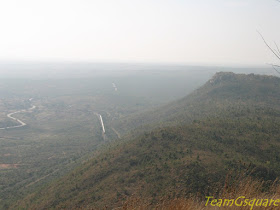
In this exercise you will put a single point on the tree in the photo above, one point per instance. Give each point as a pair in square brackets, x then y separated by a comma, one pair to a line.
[275, 51]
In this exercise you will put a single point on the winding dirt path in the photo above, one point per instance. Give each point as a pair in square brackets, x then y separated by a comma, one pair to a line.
[21, 123]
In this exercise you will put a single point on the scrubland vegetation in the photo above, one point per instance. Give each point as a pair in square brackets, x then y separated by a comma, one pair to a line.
[226, 128]
[243, 187]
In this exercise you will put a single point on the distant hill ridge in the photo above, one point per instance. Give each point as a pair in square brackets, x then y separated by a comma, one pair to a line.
[230, 76]
[222, 90]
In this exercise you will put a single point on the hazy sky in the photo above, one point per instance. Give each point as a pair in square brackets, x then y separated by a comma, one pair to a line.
[185, 31]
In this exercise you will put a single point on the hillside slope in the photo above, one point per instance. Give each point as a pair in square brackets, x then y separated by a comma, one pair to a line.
[225, 89]
[233, 125]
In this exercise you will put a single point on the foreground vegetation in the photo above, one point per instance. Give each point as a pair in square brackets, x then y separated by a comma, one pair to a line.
[242, 187]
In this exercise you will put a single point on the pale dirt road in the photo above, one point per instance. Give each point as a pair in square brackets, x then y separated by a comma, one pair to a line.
[21, 123]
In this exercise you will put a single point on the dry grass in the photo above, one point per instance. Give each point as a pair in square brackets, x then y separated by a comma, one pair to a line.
[233, 188]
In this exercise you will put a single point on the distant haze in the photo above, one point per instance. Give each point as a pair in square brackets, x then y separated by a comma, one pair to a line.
[53, 70]
[216, 32]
